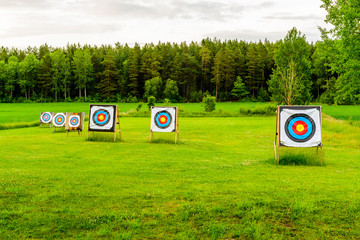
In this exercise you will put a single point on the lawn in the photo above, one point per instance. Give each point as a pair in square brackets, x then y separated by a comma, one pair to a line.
[219, 182]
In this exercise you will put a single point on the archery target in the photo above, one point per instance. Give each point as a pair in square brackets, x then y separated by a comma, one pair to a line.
[300, 126]
[102, 118]
[163, 119]
[59, 120]
[74, 121]
[45, 117]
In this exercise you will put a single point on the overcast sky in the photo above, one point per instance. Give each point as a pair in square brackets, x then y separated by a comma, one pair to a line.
[58, 22]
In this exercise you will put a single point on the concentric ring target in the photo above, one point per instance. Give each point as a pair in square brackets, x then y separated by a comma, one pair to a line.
[300, 127]
[74, 121]
[46, 117]
[163, 119]
[59, 119]
[101, 117]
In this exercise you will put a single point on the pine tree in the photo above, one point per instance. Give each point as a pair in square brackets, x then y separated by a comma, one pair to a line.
[109, 76]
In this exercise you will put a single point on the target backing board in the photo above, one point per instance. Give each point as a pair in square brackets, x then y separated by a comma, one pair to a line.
[46, 117]
[75, 121]
[102, 118]
[164, 119]
[299, 126]
[59, 120]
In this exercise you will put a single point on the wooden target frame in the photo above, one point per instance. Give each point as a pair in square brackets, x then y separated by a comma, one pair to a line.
[176, 130]
[116, 129]
[277, 141]
[80, 128]
[50, 122]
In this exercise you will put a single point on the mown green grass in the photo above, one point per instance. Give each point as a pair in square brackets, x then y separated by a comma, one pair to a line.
[30, 112]
[219, 182]
[343, 112]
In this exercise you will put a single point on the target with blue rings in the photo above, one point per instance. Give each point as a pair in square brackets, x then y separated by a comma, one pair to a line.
[101, 117]
[59, 120]
[163, 119]
[46, 117]
[300, 127]
[74, 121]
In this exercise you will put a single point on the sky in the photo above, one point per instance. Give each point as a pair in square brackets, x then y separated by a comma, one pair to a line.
[59, 22]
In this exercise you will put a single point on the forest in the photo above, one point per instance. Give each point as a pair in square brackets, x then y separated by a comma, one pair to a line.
[288, 71]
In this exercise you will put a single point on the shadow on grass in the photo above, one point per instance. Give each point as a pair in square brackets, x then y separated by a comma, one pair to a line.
[300, 157]
[103, 137]
[165, 141]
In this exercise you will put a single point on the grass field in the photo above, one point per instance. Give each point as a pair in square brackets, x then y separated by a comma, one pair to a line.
[219, 182]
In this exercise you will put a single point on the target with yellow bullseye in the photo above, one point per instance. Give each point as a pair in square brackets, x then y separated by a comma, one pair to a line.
[163, 119]
[300, 126]
[102, 118]
[59, 120]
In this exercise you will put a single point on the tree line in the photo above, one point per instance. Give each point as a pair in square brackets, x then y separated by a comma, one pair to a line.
[290, 71]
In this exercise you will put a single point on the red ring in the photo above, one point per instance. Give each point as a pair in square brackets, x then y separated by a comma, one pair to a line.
[300, 123]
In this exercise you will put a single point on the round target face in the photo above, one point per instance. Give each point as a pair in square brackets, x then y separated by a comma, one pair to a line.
[101, 117]
[46, 117]
[59, 119]
[300, 127]
[74, 121]
[163, 119]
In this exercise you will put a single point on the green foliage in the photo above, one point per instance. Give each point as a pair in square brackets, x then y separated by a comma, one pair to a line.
[153, 87]
[151, 101]
[239, 91]
[171, 90]
[209, 103]
[109, 76]
[344, 15]
[138, 107]
[290, 82]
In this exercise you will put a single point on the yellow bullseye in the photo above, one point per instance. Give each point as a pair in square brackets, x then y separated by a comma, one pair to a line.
[300, 128]
[162, 119]
[101, 117]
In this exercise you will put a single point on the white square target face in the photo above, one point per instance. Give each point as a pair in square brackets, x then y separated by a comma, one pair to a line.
[300, 126]
[102, 118]
[163, 119]
[59, 120]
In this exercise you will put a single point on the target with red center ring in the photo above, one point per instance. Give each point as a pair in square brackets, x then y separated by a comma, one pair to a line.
[46, 117]
[59, 120]
[300, 127]
[74, 121]
[102, 118]
[163, 119]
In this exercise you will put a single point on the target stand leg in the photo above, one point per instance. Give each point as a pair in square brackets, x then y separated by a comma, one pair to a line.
[151, 136]
[321, 156]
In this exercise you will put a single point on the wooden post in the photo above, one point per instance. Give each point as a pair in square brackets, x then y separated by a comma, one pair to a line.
[177, 125]
[321, 153]
[277, 136]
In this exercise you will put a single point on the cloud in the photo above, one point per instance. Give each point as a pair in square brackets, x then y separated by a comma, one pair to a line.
[285, 16]
[249, 35]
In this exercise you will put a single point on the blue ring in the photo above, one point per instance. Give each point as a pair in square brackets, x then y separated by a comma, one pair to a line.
[105, 121]
[167, 122]
[62, 120]
[46, 114]
[77, 120]
[307, 134]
